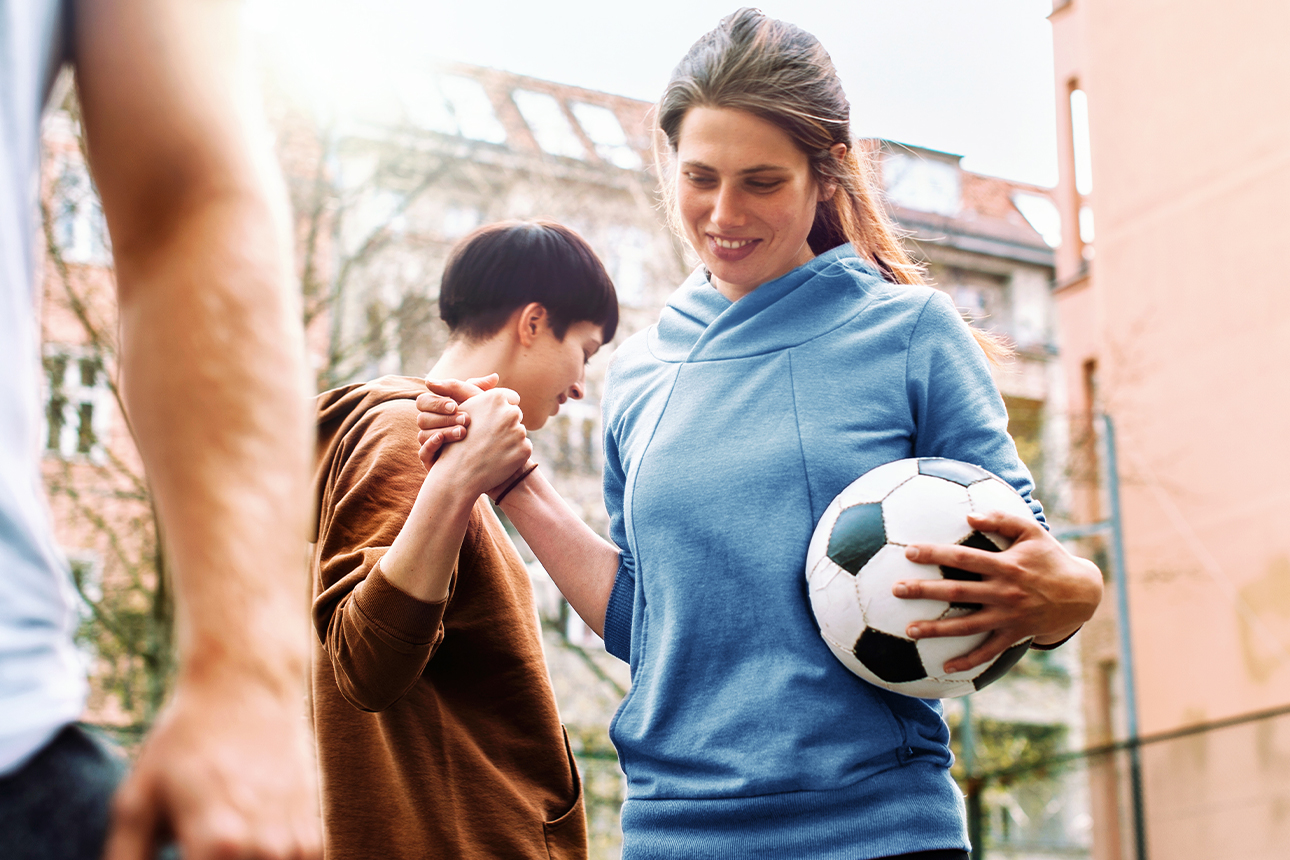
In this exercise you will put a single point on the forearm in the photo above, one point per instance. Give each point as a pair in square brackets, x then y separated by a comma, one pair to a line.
[214, 381]
[582, 563]
[212, 359]
[421, 559]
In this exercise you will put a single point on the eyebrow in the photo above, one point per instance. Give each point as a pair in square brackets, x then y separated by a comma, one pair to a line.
[760, 168]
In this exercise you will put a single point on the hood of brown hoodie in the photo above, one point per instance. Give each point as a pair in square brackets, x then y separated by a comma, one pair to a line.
[338, 410]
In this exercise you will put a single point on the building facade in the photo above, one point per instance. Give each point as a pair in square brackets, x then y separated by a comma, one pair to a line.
[1175, 323]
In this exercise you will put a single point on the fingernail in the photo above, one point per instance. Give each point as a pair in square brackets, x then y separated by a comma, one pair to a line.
[912, 553]
[900, 589]
[462, 418]
[914, 631]
[450, 406]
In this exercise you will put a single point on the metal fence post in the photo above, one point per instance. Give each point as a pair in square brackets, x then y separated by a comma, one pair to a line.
[1120, 575]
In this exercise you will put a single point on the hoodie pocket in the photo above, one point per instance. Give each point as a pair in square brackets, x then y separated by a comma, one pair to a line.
[566, 836]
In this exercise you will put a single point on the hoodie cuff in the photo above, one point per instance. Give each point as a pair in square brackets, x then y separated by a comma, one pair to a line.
[396, 612]
[618, 614]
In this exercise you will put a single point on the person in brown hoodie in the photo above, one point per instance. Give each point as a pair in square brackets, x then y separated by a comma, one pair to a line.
[437, 729]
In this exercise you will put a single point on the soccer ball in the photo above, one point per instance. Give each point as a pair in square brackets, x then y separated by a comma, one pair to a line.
[858, 553]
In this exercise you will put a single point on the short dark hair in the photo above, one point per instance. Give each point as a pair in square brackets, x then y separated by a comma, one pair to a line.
[503, 266]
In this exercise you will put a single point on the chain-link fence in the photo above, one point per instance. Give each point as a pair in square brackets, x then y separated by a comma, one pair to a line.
[1214, 790]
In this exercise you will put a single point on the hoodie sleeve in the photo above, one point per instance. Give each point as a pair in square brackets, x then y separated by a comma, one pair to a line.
[378, 638]
[622, 600]
[958, 410]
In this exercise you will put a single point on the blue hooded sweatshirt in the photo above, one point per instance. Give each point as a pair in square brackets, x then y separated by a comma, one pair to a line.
[729, 427]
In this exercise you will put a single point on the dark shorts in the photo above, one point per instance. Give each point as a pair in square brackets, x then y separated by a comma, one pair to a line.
[55, 807]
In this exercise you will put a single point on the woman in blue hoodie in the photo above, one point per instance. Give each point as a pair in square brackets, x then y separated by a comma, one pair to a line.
[804, 351]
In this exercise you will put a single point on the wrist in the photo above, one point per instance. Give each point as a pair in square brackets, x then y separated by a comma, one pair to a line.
[274, 663]
[1050, 643]
[516, 481]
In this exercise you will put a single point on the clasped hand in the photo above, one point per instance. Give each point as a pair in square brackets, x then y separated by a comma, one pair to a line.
[498, 446]
[443, 414]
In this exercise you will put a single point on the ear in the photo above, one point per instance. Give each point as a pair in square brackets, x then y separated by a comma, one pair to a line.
[530, 320]
[838, 151]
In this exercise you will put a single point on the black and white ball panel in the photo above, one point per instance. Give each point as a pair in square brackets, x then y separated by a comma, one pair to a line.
[876, 484]
[955, 471]
[995, 495]
[884, 610]
[906, 511]
[857, 536]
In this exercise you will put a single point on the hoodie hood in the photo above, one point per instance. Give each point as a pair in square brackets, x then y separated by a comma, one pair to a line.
[339, 410]
[700, 324]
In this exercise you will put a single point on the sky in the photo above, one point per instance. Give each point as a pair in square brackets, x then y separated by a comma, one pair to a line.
[972, 78]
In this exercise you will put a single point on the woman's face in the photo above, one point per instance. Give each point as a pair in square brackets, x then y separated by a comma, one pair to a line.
[746, 196]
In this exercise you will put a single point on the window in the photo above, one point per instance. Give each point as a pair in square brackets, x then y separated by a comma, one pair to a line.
[425, 104]
[601, 125]
[460, 220]
[626, 251]
[1026, 426]
[920, 183]
[1042, 214]
[76, 410]
[549, 124]
[450, 104]
[1082, 156]
[472, 109]
[982, 298]
[1086, 463]
[1086, 225]
[1083, 145]
[87, 574]
[571, 444]
[79, 228]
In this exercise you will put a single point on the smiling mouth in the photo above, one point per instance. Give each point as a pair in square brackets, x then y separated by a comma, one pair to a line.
[731, 250]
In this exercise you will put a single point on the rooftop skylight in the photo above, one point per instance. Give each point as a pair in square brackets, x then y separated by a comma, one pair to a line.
[602, 126]
[450, 104]
[549, 124]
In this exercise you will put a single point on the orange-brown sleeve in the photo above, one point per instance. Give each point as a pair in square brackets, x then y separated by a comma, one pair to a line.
[378, 638]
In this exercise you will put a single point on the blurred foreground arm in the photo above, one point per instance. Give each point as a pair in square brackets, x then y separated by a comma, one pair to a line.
[214, 381]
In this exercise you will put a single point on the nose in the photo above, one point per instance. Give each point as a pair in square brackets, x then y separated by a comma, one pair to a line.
[577, 391]
[726, 211]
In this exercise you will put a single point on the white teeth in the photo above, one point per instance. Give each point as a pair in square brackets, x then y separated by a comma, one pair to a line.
[731, 243]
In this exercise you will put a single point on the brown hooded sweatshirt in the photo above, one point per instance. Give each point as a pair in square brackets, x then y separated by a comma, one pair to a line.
[437, 728]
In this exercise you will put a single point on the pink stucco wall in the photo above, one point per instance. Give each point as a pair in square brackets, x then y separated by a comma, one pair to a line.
[1186, 311]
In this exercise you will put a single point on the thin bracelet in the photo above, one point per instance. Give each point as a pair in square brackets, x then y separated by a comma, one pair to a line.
[513, 484]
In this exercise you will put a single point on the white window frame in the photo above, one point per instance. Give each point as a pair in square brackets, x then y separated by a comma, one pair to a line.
[76, 397]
